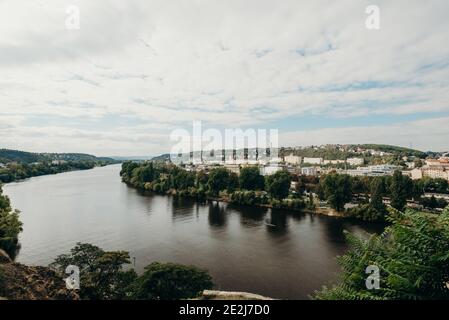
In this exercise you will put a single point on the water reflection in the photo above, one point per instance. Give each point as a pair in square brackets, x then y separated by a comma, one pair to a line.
[217, 214]
[277, 222]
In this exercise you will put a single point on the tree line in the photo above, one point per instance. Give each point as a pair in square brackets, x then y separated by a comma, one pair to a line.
[247, 188]
[18, 171]
[251, 188]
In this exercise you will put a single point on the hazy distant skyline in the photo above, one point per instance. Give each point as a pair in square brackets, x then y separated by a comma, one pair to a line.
[136, 70]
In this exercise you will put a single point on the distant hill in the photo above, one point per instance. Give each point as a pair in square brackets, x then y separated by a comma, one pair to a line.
[163, 157]
[395, 150]
[7, 155]
[131, 158]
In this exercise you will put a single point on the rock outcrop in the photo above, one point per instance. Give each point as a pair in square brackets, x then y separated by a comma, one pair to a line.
[230, 295]
[21, 282]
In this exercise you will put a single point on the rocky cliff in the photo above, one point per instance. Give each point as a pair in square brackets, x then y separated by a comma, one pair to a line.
[21, 282]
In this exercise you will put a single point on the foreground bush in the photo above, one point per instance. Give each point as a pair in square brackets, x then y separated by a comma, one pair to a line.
[412, 255]
[104, 277]
[169, 281]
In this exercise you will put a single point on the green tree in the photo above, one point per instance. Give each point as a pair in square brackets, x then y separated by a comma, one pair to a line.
[337, 190]
[251, 179]
[102, 275]
[278, 184]
[401, 186]
[412, 257]
[10, 226]
[377, 190]
[218, 180]
[169, 281]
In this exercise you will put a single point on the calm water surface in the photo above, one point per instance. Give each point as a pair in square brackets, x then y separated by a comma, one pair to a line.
[272, 253]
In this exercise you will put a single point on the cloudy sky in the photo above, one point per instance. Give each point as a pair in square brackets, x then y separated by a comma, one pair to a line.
[136, 70]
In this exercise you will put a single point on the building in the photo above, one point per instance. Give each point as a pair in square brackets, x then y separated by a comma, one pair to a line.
[416, 174]
[434, 172]
[310, 171]
[270, 168]
[291, 159]
[374, 171]
[355, 161]
[333, 161]
[318, 161]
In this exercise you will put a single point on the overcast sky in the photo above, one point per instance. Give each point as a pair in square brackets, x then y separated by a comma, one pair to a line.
[138, 69]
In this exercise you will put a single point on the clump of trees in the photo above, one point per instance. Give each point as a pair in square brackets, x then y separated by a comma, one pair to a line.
[412, 257]
[104, 277]
[10, 226]
[336, 189]
[249, 188]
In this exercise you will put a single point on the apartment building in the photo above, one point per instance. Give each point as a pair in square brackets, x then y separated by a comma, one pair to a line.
[318, 161]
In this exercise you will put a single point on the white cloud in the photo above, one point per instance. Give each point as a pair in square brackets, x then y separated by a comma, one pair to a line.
[227, 63]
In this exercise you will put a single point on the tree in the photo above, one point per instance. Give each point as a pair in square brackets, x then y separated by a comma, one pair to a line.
[377, 190]
[183, 180]
[10, 226]
[412, 257]
[401, 186]
[218, 180]
[278, 184]
[102, 275]
[233, 182]
[169, 281]
[251, 179]
[337, 190]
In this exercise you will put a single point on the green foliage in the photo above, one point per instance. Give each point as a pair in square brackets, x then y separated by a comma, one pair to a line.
[337, 190]
[412, 255]
[102, 275]
[218, 180]
[169, 281]
[251, 179]
[278, 184]
[249, 197]
[400, 189]
[10, 226]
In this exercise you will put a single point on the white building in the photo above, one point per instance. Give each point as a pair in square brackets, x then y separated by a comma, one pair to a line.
[372, 171]
[416, 174]
[291, 159]
[355, 161]
[433, 172]
[333, 161]
[270, 168]
[310, 171]
[313, 160]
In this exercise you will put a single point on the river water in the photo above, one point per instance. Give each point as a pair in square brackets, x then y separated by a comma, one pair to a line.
[268, 252]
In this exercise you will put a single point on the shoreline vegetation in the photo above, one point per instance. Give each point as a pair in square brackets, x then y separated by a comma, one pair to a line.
[336, 195]
[20, 165]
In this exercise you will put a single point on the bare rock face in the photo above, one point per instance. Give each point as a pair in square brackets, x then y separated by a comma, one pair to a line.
[21, 282]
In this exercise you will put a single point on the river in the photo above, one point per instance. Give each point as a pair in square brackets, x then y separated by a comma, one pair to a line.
[273, 253]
